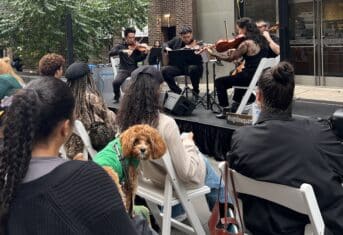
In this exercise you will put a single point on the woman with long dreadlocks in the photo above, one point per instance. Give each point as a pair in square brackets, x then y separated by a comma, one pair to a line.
[41, 193]
[90, 108]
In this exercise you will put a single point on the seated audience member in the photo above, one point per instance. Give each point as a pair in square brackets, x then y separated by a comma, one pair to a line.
[90, 108]
[140, 105]
[51, 65]
[6, 68]
[3, 109]
[290, 151]
[41, 193]
[11, 77]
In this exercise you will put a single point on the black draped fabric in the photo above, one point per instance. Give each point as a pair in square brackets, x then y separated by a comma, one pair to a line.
[211, 140]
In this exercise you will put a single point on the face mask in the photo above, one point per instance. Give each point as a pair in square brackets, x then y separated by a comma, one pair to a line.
[256, 110]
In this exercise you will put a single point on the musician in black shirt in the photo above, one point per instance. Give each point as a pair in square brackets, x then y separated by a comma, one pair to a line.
[273, 40]
[129, 57]
[194, 70]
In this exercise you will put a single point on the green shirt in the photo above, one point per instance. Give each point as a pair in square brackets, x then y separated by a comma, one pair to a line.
[8, 85]
[109, 156]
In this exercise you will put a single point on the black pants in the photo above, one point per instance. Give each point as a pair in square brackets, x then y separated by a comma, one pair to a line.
[226, 82]
[193, 71]
[122, 75]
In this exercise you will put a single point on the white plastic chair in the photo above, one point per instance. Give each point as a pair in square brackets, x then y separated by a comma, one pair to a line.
[301, 200]
[80, 130]
[264, 63]
[174, 193]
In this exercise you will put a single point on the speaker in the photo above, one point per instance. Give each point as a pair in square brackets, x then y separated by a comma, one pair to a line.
[178, 104]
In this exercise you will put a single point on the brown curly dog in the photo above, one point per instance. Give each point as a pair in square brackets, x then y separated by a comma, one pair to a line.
[143, 143]
[121, 157]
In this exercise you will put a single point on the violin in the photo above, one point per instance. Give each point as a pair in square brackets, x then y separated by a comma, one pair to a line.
[223, 45]
[274, 28]
[142, 47]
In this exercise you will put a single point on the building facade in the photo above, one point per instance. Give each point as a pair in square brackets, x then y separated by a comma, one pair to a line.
[315, 30]
[166, 17]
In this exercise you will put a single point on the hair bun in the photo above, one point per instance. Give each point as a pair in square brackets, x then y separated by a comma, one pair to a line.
[283, 72]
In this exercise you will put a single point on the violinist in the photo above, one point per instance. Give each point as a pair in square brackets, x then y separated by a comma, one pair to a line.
[252, 49]
[273, 40]
[130, 53]
[194, 70]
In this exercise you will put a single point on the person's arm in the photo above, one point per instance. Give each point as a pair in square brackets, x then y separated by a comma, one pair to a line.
[115, 51]
[233, 54]
[170, 45]
[184, 156]
[272, 44]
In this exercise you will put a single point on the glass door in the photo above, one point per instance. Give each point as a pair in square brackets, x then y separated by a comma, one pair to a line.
[303, 40]
[331, 42]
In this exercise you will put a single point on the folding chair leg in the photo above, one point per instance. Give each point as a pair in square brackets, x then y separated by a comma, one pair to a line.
[156, 212]
[167, 209]
[193, 218]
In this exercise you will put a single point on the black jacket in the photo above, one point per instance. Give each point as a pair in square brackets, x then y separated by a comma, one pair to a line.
[175, 43]
[76, 198]
[127, 62]
[290, 151]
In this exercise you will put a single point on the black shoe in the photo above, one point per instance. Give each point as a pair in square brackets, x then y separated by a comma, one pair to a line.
[116, 99]
[223, 114]
[196, 92]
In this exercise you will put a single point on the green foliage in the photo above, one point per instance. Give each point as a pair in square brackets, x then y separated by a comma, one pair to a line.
[35, 27]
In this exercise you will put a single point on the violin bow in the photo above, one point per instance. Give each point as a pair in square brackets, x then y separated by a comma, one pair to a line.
[226, 32]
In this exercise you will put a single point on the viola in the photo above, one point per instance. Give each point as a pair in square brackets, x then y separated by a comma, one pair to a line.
[223, 45]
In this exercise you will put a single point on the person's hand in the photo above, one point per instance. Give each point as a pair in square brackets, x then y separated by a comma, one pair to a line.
[266, 35]
[190, 136]
[230, 52]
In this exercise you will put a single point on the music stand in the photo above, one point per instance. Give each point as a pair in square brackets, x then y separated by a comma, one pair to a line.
[157, 52]
[182, 58]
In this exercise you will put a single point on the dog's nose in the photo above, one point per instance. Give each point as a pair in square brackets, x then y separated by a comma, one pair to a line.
[143, 150]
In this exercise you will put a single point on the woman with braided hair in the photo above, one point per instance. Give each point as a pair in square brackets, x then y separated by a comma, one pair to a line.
[90, 108]
[40, 193]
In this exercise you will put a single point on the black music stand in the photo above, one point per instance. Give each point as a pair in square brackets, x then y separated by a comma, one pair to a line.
[182, 58]
[157, 52]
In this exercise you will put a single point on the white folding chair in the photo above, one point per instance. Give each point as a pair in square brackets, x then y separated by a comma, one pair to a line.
[115, 63]
[174, 193]
[80, 130]
[301, 200]
[264, 63]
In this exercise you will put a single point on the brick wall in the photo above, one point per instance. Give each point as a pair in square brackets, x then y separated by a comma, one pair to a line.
[182, 12]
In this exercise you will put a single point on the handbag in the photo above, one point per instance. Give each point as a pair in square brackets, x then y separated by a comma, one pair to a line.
[217, 225]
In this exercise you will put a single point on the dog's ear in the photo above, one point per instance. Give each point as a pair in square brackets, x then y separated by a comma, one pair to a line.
[158, 145]
[127, 140]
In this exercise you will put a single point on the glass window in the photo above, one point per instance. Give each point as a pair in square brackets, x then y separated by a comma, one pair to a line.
[261, 10]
